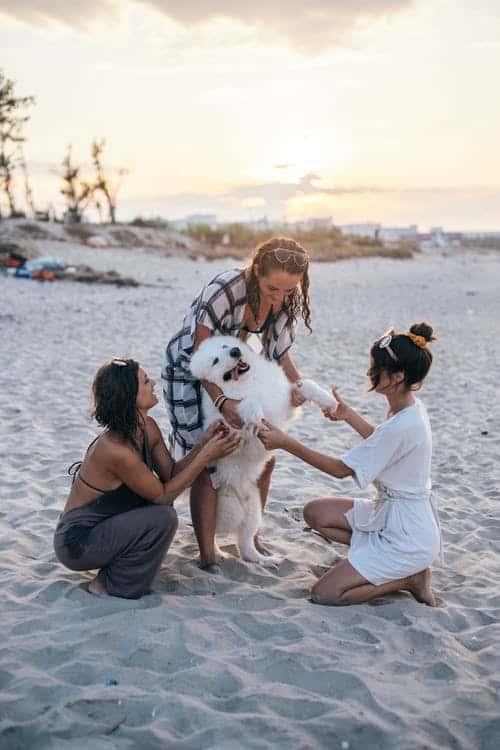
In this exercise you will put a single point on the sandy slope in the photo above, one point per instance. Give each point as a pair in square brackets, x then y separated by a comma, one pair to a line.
[242, 659]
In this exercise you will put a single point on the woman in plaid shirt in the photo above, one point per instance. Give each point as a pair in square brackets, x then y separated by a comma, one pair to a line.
[265, 298]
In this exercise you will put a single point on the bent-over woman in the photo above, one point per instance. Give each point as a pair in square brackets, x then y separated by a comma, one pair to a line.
[266, 298]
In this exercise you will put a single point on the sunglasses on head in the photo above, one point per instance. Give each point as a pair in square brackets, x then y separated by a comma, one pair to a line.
[283, 255]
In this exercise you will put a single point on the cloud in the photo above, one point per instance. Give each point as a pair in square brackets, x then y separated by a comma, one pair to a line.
[78, 15]
[308, 198]
[245, 201]
[309, 26]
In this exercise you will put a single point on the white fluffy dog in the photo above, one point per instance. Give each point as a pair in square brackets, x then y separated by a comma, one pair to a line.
[264, 392]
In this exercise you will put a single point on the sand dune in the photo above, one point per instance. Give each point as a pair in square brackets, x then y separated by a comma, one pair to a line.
[242, 659]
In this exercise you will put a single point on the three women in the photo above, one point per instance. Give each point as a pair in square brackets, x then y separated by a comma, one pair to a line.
[119, 514]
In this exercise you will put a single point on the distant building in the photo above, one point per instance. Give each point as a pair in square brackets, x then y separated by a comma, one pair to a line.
[481, 235]
[320, 222]
[360, 230]
[438, 238]
[397, 234]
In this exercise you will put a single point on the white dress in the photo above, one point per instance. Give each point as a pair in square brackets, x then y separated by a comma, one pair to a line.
[397, 533]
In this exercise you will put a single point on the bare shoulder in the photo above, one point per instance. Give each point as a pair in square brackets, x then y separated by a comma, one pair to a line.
[152, 430]
[113, 451]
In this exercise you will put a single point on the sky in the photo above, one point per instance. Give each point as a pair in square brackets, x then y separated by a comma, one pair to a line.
[369, 111]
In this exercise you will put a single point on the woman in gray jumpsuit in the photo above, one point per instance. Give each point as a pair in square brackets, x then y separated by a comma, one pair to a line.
[119, 516]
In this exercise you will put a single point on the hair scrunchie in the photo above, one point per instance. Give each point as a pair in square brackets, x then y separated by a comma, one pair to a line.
[419, 341]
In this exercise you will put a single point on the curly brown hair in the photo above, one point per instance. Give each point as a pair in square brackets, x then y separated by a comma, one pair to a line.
[295, 262]
[412, 360]
[114, 389]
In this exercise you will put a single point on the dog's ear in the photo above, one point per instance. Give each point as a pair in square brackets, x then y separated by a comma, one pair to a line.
[199, 365]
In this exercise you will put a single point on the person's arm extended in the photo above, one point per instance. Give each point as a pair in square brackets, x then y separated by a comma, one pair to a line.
[133, 472]
[288, 366]
[273, 438]
[163, 464]
[183, 463]
[328, 464]
[345, 413]
[293, 375]
[358, 423]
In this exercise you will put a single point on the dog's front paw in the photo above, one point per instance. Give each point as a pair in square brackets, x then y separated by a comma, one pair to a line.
[256, 557]
[250, 411]
[314, 392]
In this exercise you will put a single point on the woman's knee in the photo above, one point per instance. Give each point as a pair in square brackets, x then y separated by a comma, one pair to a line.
[311, 513]
[172, 519]
[332, 596]
[163, 518]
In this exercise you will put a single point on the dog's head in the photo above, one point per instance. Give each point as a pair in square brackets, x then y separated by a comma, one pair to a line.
[221, 359]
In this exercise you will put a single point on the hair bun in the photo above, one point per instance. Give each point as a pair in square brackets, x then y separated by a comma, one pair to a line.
[423, 329]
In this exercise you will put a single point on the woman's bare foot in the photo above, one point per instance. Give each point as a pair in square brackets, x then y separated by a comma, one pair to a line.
[95, 587]
[420, 586]
[209, 566]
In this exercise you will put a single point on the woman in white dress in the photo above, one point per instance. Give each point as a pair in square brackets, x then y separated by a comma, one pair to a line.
[394, 538]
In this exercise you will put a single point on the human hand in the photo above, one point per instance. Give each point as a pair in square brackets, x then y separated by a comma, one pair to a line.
[230, 413]
[220, 445]
[297, 398]
[271, 437]
[215, 428]
[341, 411]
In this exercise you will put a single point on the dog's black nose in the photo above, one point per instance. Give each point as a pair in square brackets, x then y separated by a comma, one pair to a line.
[235, 352]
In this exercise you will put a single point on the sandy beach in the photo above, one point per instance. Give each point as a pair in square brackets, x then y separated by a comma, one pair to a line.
[242, 659]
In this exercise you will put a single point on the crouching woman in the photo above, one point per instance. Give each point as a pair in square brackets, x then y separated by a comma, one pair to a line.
[119, 516]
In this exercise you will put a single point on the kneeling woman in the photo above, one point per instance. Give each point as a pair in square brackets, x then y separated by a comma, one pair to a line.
[394, 538]
[119, 516]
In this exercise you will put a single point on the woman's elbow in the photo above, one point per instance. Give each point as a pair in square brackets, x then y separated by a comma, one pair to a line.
[342, 471]
[165, 497]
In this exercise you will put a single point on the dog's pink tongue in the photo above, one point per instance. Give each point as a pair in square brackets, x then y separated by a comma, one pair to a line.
[236, 374]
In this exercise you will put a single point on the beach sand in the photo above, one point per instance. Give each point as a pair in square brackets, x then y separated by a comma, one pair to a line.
[242, 659]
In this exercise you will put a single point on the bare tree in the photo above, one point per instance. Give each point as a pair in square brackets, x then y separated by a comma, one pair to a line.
[77, 192]
[103, 183]
[12, 123]
[28, 190]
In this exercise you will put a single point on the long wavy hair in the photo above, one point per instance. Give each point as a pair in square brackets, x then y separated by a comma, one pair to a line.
[114, 391]
[264, 260]
[412, 360]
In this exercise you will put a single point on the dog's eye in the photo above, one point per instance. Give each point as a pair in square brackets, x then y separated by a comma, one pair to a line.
[225, 346]
[215, 361]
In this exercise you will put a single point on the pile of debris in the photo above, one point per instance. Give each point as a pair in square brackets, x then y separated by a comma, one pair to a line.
[18, 263]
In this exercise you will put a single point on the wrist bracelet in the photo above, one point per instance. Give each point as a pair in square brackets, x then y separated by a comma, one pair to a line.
[221, 403]
[218, 400]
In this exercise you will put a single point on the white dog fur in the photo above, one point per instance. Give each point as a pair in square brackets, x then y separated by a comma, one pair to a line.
[264, 392]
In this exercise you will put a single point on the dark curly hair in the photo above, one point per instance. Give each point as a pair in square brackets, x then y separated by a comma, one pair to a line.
[114, 389]
[264, 260]
[413, 361]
